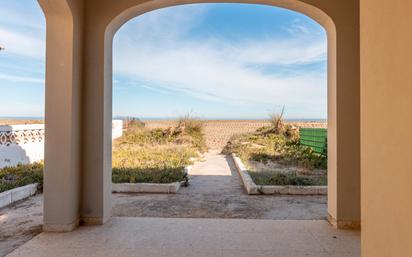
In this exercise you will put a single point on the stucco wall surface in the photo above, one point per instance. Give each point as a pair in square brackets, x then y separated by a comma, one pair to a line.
[386, 97]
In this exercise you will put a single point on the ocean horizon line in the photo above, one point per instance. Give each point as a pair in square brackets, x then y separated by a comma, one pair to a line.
[167, 118]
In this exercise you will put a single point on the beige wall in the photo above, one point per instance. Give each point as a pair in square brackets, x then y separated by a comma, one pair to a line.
[63, 112]
[79, 94]
[386, 68]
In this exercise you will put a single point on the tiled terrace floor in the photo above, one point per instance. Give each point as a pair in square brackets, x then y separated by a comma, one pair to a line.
[161, 237]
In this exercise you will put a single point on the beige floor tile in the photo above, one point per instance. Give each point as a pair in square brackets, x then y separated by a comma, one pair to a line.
[150, 237]
[238, 253]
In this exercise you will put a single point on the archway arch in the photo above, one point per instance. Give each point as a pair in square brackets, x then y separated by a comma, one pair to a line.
[299, 6]
[102, 18]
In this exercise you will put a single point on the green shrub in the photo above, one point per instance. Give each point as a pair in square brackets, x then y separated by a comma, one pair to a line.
[263, 146]
[21, 175]
[154, 175]
[277, 178]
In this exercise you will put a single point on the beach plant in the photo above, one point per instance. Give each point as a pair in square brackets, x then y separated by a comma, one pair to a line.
[278, 145]
[21, 175]
[132, 122]
[150, 175]
[280, 127]
[277, 178]
[278, 123]
[265, 147]
[157, 155]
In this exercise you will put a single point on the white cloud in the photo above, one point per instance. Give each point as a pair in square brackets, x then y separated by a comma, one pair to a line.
[20, 44]
[159, 52]
[22, 14]
[287, 52]
[296, 27]
[13, 78]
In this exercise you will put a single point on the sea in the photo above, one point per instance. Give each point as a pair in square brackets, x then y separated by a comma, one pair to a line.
[171, 118]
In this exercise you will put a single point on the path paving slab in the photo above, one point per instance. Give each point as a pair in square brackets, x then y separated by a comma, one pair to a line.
[161, 237]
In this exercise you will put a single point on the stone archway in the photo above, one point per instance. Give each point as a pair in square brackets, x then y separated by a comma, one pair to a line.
[101, 20]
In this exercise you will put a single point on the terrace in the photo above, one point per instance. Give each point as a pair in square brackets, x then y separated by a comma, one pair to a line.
[369, 91]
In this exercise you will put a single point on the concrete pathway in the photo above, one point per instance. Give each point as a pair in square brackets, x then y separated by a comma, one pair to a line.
[147, 237]
[216, 191]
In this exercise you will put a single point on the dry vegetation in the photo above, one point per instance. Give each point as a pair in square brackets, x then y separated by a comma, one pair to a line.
[159, 152]
[141, 155]
[157, 155]
[20, 122]
[218, 132]
[274, 156]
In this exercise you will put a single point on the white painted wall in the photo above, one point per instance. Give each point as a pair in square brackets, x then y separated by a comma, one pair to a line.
[25, 143]
[117, 129]
[21, 144]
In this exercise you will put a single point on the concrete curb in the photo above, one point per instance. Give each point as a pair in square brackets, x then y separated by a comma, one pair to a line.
[169, 188]
[253, 189]
[250, 186]
[16, 194]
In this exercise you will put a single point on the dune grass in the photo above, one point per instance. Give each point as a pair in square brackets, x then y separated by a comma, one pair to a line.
[157, 155]
[20, 122]
[278, 145]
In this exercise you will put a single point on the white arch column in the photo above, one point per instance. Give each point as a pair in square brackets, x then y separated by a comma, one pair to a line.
[63, 114]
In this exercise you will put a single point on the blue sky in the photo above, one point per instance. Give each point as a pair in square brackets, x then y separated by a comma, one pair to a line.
[210, 60]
